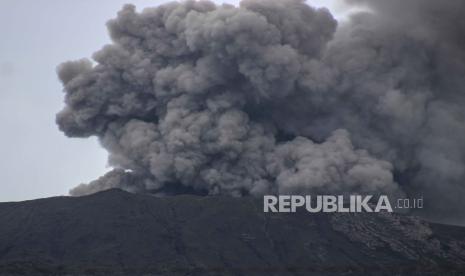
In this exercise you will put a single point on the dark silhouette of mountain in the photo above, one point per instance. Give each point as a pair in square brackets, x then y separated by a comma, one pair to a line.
[118, 233]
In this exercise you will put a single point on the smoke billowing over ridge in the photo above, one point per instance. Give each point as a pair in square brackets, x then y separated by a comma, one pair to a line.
[276, 97]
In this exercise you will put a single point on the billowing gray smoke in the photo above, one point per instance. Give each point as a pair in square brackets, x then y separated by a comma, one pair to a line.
[274, 97]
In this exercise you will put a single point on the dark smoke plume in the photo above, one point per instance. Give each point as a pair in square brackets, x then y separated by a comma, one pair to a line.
[274, 97]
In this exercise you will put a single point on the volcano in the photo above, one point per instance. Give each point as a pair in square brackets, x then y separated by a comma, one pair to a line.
[120, 233]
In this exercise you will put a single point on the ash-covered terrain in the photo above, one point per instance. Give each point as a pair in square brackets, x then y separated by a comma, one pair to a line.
[119, 233]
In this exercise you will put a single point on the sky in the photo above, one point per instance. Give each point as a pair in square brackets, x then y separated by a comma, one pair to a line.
[37, 160]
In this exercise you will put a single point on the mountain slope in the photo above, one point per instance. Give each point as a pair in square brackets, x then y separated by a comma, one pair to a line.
[115, 232]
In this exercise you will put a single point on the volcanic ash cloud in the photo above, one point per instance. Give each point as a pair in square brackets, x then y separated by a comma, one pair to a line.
[275, 97]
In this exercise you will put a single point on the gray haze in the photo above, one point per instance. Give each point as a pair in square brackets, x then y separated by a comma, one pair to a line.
[37, 160]
[275, 97]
